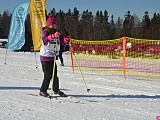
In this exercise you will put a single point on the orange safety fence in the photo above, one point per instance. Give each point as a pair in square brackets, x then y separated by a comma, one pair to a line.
[124, 55]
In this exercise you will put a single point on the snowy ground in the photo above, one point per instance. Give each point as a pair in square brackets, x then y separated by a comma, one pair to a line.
[111, 96]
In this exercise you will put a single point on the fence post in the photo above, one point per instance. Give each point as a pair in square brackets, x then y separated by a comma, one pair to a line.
[124, 57]
[71, 55]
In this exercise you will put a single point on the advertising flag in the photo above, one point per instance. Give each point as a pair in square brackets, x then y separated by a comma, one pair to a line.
[16, 37]
[37, 19]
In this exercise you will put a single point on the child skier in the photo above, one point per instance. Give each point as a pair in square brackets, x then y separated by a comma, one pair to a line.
[48, 51]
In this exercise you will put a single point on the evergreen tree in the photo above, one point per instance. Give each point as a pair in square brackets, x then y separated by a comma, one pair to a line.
[68, 22]
[28, 36]
[87, 25]
[127, 25]
[106, 27]
[5, 24]
[112, 28]
[97, 26]
[136, 30]
[1, 31]
[75, 23]
[92, 27]
[155, 26]
[146, 26]
[119, 28]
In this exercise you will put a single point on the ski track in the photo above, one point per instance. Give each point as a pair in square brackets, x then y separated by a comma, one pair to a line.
[123, 90]
[111, 96]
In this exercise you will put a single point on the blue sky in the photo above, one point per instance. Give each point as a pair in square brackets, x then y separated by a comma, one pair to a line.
[116, 7]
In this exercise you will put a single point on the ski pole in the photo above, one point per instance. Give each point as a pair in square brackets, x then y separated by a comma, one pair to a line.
[5, 56]
[36, 59]
[81, 73]
[71, 55]
[54, 64]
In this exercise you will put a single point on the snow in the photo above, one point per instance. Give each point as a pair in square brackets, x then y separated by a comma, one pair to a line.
[111, 96]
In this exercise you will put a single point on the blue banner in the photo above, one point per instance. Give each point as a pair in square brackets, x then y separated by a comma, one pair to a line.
[16, 37]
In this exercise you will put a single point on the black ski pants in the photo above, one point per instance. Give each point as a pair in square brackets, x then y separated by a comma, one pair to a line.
[47, 67]
[60, 57]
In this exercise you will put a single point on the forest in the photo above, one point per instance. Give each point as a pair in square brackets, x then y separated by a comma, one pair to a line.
[89, 26]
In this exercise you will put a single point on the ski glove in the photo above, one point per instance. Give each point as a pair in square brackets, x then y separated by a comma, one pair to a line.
[56, 34]
[67, 39]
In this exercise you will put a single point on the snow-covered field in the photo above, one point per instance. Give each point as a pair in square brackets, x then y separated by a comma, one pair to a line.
[111, 96]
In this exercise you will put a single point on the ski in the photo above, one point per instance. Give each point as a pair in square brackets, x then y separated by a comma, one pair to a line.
[40, 95]
[68, 98]
[51, 96]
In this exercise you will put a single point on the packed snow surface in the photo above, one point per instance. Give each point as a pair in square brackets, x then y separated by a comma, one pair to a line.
[111, 97]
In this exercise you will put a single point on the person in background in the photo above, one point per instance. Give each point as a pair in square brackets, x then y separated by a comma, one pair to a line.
[65, 35]
[48, 50]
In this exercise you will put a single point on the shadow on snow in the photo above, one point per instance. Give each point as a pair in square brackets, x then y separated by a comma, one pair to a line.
[84, 96]
[18, 88]
[117, 96]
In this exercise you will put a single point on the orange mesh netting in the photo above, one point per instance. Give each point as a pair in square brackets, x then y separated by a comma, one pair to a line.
[130, 55]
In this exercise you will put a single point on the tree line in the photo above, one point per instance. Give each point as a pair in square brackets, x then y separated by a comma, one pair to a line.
[87, 26]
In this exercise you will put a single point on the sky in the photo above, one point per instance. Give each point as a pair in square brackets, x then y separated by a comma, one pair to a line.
[118, 8]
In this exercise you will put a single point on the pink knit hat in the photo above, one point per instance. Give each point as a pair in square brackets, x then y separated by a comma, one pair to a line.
[51, 20]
